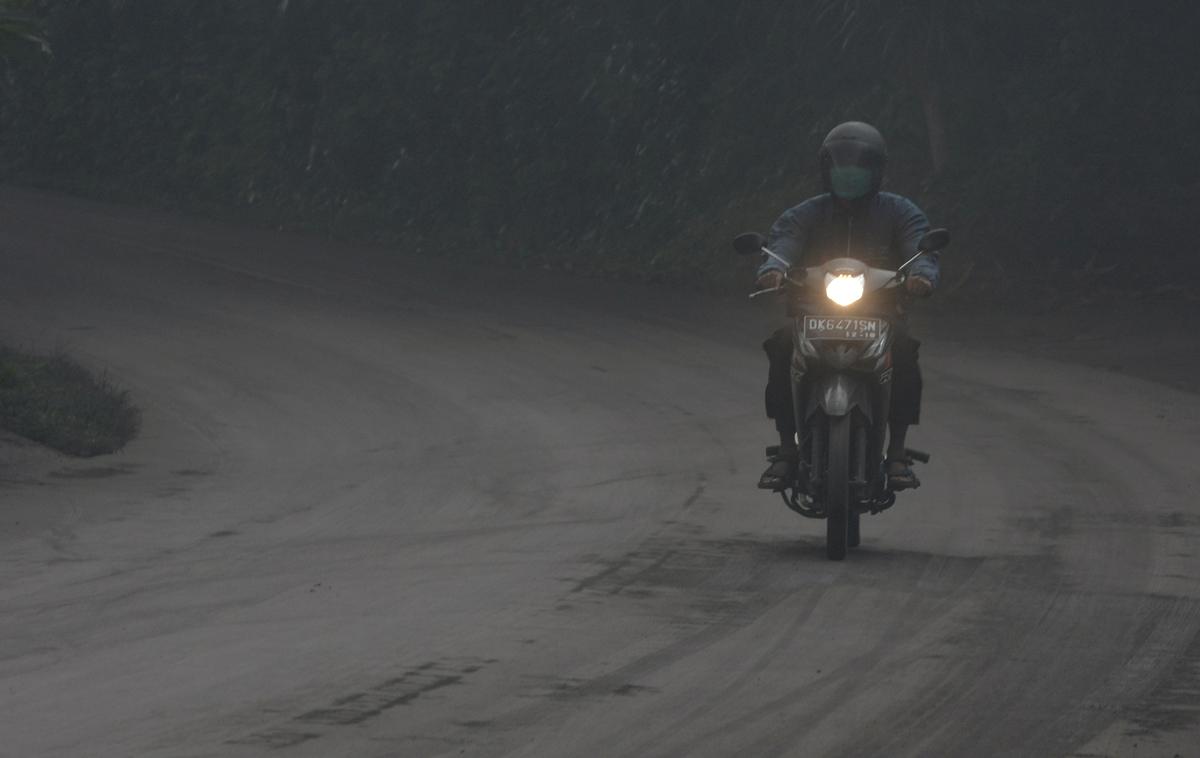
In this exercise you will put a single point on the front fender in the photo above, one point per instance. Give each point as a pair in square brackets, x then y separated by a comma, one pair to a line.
[838, 394]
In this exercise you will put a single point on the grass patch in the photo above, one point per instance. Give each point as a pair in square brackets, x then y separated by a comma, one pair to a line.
[53, 400]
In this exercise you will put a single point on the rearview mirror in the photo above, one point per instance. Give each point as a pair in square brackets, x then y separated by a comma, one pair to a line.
[748, 243]
[934, 240]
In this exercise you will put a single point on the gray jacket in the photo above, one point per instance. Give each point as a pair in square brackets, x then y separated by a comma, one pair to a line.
[882, 231]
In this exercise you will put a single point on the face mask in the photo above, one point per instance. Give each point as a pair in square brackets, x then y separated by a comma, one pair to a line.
[850, 182]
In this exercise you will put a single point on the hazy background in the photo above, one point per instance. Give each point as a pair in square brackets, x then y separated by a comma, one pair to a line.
[632, 139]
[379, 508]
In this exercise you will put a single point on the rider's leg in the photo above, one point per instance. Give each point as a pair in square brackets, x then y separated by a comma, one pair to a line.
[897, 433]
[905, 409]
[778, 348]
[779, 408]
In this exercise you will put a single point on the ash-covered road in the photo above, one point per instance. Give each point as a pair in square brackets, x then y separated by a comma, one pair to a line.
[377, 510]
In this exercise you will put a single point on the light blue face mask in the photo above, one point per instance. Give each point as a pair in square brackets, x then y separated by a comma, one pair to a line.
[850, 182]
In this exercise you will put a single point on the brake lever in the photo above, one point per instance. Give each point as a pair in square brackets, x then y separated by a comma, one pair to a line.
[786, 279]
[765, 292]
[902, 273]
[767, 251]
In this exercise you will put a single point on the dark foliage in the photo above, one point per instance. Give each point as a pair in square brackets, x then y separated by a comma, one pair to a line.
[21, 33]
[55, 401]
[628, 138]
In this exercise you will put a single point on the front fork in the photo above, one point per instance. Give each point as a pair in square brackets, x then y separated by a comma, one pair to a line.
[868, 482]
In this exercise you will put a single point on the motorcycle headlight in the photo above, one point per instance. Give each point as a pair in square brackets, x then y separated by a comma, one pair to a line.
[845, 289]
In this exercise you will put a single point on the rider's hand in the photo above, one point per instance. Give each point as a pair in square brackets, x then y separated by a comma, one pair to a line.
[770, 279]
[918, 285]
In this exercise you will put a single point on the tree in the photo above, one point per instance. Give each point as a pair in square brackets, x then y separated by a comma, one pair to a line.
[910, 41]
[20, 32]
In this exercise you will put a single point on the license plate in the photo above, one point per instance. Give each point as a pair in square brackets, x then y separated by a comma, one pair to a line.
[841, 328]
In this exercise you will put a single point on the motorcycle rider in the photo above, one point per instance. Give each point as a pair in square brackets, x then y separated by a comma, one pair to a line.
[851, 219]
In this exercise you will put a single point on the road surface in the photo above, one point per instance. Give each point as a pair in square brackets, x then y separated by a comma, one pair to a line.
[381, 510]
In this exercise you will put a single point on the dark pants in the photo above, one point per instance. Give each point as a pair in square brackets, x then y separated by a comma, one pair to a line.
[906, 381]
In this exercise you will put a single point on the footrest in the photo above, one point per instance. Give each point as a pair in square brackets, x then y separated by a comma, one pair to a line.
[916, 455]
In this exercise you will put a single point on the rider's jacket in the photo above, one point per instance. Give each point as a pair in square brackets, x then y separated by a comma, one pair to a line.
[882, 231]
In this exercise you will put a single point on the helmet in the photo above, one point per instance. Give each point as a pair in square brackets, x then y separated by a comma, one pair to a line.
[852, 159]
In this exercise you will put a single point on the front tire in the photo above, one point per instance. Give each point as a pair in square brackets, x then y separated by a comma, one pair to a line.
[837, 489]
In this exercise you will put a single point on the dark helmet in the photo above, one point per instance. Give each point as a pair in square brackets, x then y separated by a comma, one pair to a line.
[852, 159]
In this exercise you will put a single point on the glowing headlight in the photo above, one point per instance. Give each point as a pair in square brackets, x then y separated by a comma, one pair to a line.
[845, 289]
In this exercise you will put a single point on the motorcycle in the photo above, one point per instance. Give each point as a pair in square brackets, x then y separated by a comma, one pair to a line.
[843, 332]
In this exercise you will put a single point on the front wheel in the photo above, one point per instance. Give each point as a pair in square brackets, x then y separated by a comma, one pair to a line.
[837, 489]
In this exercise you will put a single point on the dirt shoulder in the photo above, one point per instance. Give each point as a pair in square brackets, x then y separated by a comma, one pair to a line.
[1157, 340]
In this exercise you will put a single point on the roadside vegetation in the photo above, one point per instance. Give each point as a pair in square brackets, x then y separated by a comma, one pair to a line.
[21, 32]
[59, 403]
[628, 139]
